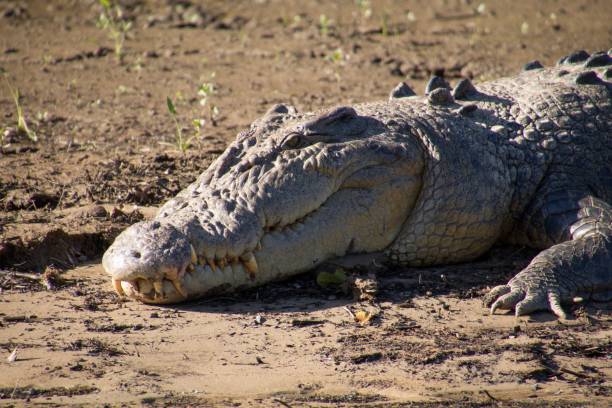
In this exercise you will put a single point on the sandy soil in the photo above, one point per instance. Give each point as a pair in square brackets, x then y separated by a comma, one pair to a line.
[98, 166]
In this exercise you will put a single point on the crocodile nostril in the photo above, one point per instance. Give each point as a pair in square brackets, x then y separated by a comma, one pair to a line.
[155, 225]
[135, 254]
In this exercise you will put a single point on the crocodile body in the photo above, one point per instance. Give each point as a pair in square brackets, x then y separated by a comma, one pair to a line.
[432, 179]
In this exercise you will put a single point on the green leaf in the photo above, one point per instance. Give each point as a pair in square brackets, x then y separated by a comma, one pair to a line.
[105, 3]
[327, 279]
[171, 108]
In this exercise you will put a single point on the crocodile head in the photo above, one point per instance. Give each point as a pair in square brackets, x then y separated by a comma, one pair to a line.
[289, 193]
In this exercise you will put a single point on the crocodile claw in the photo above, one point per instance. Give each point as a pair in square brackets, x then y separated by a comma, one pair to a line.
[523, 301]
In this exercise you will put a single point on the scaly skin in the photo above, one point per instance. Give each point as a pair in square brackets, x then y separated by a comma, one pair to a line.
[430, 180]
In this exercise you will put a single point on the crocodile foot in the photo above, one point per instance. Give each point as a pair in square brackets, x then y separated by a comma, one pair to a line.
[524, 299]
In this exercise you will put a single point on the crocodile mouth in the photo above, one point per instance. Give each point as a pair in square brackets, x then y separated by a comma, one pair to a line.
[202, 275]
[198, 275]
[177, 269]
[174, 284]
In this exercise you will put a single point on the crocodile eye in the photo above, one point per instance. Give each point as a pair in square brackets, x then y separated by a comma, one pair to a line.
[294, 141]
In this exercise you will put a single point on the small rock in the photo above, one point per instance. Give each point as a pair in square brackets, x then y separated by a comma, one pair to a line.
[97, 211]
[51, 278]
[364, 289]
[19, 200]
[77, 367]
[10, 135]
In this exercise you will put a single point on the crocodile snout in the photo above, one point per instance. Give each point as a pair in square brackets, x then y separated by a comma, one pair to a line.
[148, 261]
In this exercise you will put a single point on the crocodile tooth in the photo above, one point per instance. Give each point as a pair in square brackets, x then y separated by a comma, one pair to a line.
[212, 264]
[250, 264]
[194, 256]
[179, 287]
[145, 287]
[258, 246]
[117, 286]
[222, 263]
[158, 285]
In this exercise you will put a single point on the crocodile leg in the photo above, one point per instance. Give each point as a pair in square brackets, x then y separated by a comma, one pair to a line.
[578, 264]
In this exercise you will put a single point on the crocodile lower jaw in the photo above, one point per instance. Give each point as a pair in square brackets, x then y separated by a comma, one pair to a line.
[174, 285]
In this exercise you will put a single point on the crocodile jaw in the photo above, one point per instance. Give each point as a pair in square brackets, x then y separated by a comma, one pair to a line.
[148, 260]
[377, 214]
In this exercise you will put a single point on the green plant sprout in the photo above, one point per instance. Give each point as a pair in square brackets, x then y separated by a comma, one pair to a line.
[205, 91]
[22, 124]
[337, 59]
[365, 8]
[198, 125]
[285, 21]
[324, 23]
[384, 24]
[180, 142]
[111, 19]
[243, 36]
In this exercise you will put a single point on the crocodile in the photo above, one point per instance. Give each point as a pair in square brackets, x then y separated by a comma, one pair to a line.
[427, 180]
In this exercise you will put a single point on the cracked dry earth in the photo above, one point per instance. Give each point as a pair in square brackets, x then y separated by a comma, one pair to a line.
[98, 167]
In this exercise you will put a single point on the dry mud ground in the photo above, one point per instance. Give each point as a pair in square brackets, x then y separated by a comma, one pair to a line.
[98, 166]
